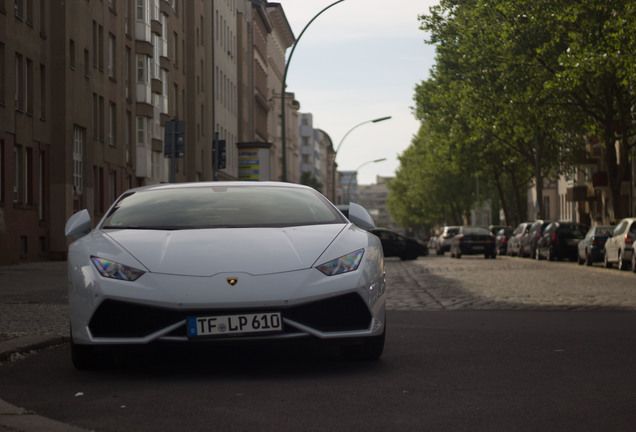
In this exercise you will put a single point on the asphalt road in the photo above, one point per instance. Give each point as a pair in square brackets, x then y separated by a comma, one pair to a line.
[472, 345]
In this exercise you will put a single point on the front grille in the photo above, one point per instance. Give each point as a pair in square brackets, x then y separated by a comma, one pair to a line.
[117, 319]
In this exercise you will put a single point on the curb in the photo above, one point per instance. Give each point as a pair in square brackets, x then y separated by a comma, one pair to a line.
[14, 419]
[24, 344]
[17, 419]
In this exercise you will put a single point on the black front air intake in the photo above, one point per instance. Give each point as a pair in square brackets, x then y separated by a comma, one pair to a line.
[118, 319]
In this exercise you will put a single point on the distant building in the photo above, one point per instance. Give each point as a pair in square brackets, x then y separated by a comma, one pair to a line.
[374, 197]
[316, 154]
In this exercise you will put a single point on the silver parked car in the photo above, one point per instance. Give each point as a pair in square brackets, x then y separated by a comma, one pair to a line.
[619, 247]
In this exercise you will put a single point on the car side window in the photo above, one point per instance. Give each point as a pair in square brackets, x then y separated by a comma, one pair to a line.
[619, 228]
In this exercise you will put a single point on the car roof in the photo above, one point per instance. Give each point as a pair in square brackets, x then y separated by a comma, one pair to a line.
[165, 186]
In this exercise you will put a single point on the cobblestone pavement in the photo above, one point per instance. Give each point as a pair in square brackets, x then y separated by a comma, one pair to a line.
[33, 299]
[506, 283]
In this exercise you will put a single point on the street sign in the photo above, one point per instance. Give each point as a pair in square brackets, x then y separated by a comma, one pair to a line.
[221, 160]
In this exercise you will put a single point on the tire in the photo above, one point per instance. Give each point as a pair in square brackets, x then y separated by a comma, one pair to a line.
[369, 349]
[633, 269]
[621, 264]
[606, 261]
[588, 259]
[550, 255]
[83, 356]
[579, 260]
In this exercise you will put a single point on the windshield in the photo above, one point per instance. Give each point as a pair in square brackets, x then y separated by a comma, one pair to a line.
[221, 207]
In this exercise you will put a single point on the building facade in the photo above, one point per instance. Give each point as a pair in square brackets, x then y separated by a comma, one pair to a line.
[87, 87]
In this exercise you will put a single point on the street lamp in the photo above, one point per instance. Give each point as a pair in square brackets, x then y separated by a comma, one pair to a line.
[282, 93]
[356, 126]
[333, 183]
[356, 174]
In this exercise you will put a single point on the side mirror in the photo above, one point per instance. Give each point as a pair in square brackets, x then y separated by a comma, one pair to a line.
[360, 216]
[78, 225]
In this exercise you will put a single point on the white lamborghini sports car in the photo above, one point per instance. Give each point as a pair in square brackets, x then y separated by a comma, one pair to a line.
[209, 262]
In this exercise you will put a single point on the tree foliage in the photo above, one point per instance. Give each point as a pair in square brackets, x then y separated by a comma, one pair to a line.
[518, 88]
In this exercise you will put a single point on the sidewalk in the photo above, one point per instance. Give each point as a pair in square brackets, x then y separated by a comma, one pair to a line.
[33, 316]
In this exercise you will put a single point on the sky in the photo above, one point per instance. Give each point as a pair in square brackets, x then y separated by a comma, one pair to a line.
[360, 60]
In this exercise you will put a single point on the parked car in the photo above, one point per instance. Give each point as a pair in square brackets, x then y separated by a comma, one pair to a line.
[397, 245]
[244, 262]
[561, 240]
[494, 229]
[514, 243]
[619, 247]
[444, 239]
[501, 240]
[528, 247]
[592, 247]
[471, 240]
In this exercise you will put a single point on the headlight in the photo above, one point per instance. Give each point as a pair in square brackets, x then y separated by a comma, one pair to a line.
[113, 270]
[344, 264]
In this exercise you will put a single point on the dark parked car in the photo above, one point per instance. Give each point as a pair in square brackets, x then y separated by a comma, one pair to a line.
[472, 240]
[528, 246]
[561, 240]
[514, 243]
[619, 247]
[501, 240]
[592, 247]
[444, 239]
[397, 245]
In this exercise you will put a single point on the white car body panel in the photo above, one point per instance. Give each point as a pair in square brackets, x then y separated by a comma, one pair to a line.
[188, 270]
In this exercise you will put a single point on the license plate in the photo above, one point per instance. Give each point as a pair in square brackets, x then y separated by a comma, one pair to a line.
[224, 325]
[478, 248]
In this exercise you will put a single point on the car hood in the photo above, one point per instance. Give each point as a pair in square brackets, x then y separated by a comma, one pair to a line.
[206, 252]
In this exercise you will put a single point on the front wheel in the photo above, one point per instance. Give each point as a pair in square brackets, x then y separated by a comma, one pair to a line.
[606, 261]
[83, 356]
[588, 259]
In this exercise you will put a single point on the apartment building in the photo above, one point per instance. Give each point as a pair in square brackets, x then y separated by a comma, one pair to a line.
[87, 87]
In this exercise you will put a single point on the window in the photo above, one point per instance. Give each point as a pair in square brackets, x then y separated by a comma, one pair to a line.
[2, 170]
[78, 159]
[94, 44]
[127, 82]
[101, 119]
[112, 187]
[112, 126]
[140, 10]
[71, 53]
[19, 82]
[2, 74]
[95, 115]
[19, 8]
[43, 17]
[28, 175]
[112, 55]
[28, 90]
[100, 47]
[18, 171]
[42, 92]
[87, 69]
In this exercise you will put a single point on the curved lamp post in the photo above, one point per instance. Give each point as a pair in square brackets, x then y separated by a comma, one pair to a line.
[333, 183]
[356, 126]
[282, 93]
[356, 172]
